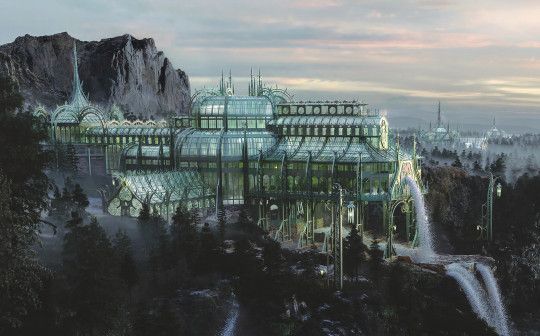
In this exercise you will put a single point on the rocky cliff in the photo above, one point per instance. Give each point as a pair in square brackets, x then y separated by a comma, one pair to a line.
[122, 70]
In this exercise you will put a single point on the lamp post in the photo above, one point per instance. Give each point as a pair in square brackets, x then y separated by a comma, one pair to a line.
[350, 213]
[487, 208]
[338, 241]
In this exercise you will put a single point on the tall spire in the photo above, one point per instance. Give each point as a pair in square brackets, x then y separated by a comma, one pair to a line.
[259, 88]
[222, 84]
[493, 122]
[77, 96]
[250, 91]
[439, 115]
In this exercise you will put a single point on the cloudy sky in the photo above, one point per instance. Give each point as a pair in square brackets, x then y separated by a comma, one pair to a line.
[479, 58]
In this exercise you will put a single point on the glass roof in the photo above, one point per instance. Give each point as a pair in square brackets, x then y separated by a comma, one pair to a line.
[75, 113]
[324, 149]
[178, 185]
[93, 116]
[237, 106]
[147, 151]
[204, 144]
[65, 115]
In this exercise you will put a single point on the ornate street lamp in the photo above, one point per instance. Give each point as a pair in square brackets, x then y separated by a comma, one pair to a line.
[487, 208]
[350, 213]
[338, 238]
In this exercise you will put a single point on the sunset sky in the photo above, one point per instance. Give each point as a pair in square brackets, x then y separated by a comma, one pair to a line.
[480, 58]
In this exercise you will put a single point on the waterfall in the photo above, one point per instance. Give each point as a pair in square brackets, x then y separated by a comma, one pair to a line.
[486, 303]
[424, 227]
[232, 319]
[501, 319]
[472, 288]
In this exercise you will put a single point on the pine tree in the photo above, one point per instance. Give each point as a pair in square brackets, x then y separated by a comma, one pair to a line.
[75, 221]
[23, 198]
[353, 252]
[531, 165]
[144, 213]
[152, 228]
[71, 159]
[498, 167]
[457, 163]
[92, 276]
[184, 235]
[127, 268]
[162, 244]
[79, 198]
[207, 250]
[20, 275]
[376, 257]
[144, 226]
[477, 167]
[57, 206]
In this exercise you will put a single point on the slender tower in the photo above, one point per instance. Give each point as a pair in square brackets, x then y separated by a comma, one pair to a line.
[78, 99]
[439, 115]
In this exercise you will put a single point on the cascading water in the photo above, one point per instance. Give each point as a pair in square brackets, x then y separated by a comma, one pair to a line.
[424, 228]
[232, 319]
[472, 288]
[501, 319]
[487, 305]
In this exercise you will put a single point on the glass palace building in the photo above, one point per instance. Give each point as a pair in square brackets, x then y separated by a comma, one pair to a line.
[295, 165]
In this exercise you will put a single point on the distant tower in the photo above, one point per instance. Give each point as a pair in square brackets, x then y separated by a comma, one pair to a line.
[439, 115]
[222, 84]
[230, 85]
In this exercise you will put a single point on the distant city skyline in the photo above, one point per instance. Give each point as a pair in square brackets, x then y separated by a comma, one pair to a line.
[480, 59]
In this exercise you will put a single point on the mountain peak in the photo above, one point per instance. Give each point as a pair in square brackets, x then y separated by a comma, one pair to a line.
[121, 70]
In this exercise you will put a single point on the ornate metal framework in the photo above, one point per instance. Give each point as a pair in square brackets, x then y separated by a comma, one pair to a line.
[281, 158]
